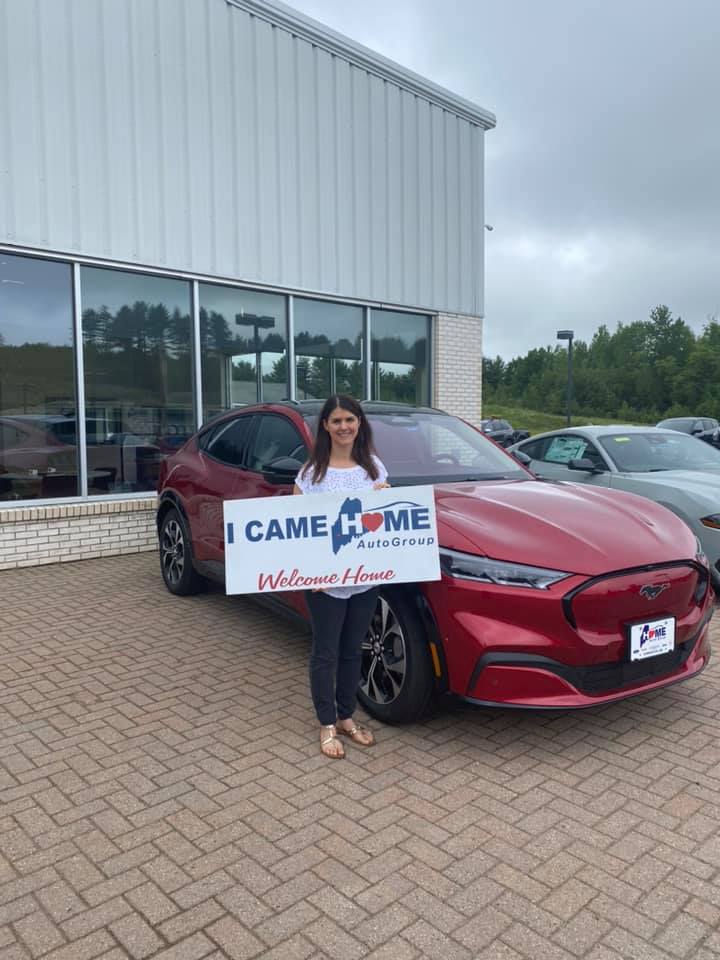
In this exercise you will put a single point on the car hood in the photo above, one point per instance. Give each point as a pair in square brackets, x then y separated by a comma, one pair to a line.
[681, 485]
[563, 526]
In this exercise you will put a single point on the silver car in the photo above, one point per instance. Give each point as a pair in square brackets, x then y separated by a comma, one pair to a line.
[671, 468]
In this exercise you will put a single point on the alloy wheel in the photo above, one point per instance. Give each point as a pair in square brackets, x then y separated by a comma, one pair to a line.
[384, 656]
[172, 548]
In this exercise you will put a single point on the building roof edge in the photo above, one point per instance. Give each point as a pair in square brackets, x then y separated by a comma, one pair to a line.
[303, 26]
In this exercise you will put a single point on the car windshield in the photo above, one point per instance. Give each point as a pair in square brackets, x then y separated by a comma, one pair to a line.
[648, 452]
[685, 425]
[418, 447]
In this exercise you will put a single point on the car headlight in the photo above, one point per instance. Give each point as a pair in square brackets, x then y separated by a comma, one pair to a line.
[466, 566]
[711, 521]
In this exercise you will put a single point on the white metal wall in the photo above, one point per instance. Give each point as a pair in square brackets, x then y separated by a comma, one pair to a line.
[195, 135]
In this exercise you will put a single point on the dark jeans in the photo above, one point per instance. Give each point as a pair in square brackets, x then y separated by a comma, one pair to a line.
[339, 628]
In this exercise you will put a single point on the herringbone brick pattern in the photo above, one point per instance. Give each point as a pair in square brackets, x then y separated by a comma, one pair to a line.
[162, 796]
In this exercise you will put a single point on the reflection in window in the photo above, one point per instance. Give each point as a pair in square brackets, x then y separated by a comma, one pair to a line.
[138, 376]
[400, 357]
[328, 349]
[243, 336]
[38, 451]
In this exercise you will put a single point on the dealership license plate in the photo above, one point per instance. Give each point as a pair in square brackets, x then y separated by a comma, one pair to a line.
[652, 638]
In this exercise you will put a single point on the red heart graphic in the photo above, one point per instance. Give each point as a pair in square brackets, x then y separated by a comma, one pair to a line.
[371, 521]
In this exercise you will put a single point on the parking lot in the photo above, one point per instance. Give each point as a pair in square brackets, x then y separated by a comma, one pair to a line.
[162, 796]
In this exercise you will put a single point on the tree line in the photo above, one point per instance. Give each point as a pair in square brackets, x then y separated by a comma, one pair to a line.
[643, 371]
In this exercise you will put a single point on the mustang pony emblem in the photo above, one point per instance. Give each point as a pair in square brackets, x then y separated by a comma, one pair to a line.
[651, 591]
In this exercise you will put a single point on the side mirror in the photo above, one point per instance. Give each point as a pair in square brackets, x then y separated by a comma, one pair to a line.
[281, 470]
[698, 431]
[585, 465]
[521, 457]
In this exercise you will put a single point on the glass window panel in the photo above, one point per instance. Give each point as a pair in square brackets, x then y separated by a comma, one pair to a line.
[228, 441]
[138, 376]
[38, 451]
[400, 357]
[243, 336]
[328, 349]
[275, 437]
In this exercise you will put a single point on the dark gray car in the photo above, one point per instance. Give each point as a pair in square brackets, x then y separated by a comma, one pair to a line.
[704, 428]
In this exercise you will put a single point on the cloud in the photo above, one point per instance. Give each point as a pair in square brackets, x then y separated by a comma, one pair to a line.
[602, 177]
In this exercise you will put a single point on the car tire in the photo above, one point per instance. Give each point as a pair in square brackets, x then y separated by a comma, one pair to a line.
[396, 684]
[176, 560]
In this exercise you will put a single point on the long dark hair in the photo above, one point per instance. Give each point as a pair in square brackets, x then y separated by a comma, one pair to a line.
[362, 451]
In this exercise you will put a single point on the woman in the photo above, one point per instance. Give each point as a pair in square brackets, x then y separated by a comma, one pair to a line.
[342, 459]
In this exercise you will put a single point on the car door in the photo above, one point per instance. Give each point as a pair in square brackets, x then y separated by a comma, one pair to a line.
[273, 436]
[551, 455]
[222, 453]
[709, 434]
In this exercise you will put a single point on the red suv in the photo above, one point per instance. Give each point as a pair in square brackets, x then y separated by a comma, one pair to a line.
[552, 594]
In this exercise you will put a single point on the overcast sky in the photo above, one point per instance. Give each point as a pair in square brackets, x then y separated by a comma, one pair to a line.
[603, 173]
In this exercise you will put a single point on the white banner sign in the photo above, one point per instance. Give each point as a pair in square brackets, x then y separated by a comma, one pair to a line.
[363, 538]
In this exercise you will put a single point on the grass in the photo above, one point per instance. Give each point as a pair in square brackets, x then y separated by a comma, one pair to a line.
[536, 421]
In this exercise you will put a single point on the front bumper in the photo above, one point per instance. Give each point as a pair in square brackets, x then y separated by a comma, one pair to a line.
[567, 647]
[521, 680]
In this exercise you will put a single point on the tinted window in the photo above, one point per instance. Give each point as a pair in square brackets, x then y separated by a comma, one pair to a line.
[138, 375]
[275, 437]
[244, 343]
[37, 378]
[328, 349]
[675, 424]
[536, 449]
[227, 441]
[400, 357]
[10, 436]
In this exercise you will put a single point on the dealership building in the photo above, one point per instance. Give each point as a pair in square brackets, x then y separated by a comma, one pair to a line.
[202, 205]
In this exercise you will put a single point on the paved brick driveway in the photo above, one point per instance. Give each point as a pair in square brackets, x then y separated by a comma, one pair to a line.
[161, 795]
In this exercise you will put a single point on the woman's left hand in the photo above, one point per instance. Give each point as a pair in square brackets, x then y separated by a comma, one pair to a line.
[381, 486]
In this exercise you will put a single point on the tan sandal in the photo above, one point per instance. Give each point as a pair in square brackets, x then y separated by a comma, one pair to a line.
[332, 738]
[358, 735]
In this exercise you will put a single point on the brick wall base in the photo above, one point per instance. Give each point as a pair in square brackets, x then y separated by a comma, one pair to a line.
[457, 386]
[30, 536]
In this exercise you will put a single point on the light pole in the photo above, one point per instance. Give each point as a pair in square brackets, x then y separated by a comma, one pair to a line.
[257, 323]
[568, 335]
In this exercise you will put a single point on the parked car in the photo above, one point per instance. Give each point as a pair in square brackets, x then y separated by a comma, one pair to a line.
[549, 594]
[501, 431]
[666, 466]
[704, 428]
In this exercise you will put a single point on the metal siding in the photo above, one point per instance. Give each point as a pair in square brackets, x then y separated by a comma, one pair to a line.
[344, 160]
[422, 276]
[197, 136]
[438, 264]
[453, 206]
[394, 173]
[326, 193]
[362, 212]
[377, 198]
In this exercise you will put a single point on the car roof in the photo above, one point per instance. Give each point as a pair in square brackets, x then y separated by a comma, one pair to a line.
[311, 408]
[685, 419]
[597, 430]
